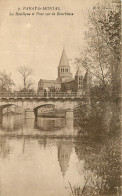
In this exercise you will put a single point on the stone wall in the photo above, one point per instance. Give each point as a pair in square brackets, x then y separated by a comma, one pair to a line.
[68, 86]
[36, 103]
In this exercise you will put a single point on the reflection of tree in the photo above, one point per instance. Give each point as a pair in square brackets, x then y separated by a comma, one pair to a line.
[4, 148]
[11, 123]
[102, 166]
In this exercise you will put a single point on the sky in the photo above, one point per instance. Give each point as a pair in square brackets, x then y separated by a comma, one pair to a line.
[37, 41]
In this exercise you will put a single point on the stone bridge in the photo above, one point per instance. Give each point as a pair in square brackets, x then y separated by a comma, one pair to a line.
[31, 104]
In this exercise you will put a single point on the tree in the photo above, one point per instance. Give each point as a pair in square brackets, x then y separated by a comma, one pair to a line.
[112, 27]
[102, 54]
[102, 165]
[26, 72]
[102, 58]
[6, 82]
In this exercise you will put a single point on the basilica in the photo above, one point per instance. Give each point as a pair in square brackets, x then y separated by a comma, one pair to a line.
[65, 81]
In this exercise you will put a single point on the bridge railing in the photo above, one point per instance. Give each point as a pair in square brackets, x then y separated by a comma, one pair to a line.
[61, 94]
[40, 95]
[17, 94]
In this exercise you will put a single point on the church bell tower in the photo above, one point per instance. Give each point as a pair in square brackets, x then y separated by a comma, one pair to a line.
[64, 68]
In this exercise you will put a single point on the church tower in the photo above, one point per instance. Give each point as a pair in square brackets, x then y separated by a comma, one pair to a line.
[79, 80]
[87, 83]
[64, 68]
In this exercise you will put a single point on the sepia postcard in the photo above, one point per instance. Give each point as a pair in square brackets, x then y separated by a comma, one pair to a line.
[60, 98]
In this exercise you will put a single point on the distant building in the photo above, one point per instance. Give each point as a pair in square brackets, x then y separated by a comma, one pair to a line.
[65, 81]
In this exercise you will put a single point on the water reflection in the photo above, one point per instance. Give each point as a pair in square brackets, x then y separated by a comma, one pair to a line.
[64, 153]
[43, 169]
[37, 158]
[12, 123]
[4, 147]
[102, 166]
[52, 125]
[29, 158]
[18, 125]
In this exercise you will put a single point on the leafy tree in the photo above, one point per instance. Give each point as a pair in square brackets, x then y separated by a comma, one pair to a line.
[102, 53]
[102, 58]
[111, 26]
[102, 165]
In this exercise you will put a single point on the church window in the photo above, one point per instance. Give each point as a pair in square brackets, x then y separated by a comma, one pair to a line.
[80, 86]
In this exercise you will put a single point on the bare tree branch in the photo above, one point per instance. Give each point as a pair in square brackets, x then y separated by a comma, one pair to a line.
[26, 72]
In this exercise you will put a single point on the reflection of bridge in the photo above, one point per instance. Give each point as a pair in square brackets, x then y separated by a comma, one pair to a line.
[31, 102]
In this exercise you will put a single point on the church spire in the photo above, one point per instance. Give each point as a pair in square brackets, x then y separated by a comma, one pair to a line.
[79, 72]
[63, 61]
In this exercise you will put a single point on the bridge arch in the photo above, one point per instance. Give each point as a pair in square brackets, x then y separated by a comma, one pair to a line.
[45, 106]
[2, 107]
[40, 106]
[6, 105]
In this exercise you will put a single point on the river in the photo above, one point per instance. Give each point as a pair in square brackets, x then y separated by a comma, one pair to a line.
[44, 157]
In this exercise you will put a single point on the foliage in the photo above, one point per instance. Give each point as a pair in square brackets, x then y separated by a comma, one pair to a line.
[100, 126]
[102, 59]
[6, 82]
[102, 54]
[102, 167]
[111, 27]
[91, 123]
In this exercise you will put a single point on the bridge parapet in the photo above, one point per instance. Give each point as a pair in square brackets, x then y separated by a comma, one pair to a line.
[47, 95]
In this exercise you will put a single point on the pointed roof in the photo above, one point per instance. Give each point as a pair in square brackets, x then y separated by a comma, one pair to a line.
[80, 72]
[87, 77]
[64, 61]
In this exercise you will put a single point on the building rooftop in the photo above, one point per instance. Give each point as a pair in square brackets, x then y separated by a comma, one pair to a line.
[68, 80]
[51, 81]
[63, 61]
[80, 71]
